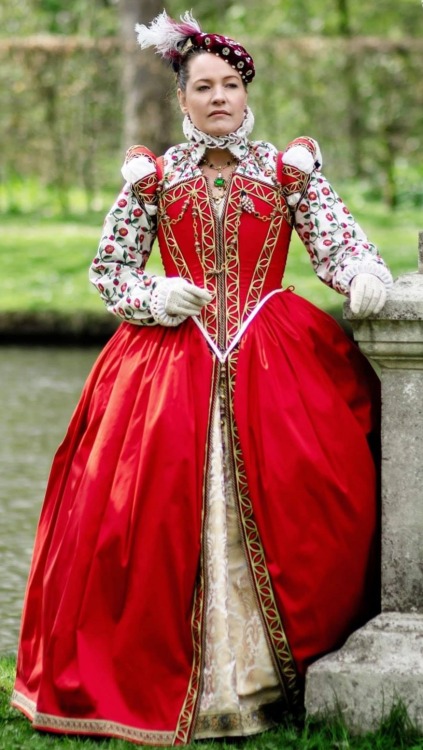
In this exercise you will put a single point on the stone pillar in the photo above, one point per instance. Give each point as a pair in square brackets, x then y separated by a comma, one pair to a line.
[383, 661]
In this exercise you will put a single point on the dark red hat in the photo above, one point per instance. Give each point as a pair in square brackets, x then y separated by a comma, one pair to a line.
[228, 49]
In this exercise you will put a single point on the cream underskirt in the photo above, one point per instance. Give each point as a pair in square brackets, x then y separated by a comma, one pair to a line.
[239, 677]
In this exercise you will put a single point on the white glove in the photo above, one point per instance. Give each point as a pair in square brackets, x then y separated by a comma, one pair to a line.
[175, 299]
[367, 294]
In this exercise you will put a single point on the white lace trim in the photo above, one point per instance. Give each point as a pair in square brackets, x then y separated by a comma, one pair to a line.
[222, 356]
[236, 142]
[364, 266]
[158, 305]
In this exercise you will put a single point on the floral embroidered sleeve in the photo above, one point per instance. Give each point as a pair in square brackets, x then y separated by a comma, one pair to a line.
[338, 247]
[118, 269]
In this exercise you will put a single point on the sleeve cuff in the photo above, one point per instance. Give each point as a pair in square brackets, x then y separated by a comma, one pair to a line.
[365, 266]
[158, 306]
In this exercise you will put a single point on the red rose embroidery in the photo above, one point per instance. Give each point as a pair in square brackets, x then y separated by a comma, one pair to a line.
[325, 191]
[312, 196]
[123, 232]
[137, 212]
[122, 203]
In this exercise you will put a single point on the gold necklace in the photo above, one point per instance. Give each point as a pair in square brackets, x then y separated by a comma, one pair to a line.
[219, 181]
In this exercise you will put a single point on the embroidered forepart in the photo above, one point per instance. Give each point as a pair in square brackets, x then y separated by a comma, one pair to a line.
[255, 554]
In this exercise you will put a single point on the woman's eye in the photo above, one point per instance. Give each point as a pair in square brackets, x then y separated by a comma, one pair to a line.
[202, 88]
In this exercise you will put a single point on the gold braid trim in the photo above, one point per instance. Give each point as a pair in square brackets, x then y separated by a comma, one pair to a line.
[187, 718]
[278, 214]
[255, 554]
[142, 189]
[49, 722]
[193, 192]
[299, 181]
[183, 728]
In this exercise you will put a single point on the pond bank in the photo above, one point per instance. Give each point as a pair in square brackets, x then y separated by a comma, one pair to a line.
[79, 328]
[54, 327]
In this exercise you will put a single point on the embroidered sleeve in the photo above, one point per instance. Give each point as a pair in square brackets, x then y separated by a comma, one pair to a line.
[118, 269]
[338, 247]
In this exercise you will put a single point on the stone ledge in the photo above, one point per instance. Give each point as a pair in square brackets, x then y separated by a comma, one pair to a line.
[379, 665]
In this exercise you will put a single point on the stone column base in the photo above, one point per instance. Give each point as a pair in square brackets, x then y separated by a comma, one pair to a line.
[379, 665]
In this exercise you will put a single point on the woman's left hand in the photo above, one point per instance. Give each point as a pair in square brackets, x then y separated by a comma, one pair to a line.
[367, 294]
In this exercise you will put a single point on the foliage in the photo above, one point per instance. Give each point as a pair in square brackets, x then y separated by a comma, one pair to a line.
[386, 18]
[346, 73]
[370, 128]
[396, 731]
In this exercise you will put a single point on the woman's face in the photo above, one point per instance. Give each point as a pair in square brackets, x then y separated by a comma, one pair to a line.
[215, 97]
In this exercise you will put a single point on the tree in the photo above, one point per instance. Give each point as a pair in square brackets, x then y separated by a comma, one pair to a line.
[147, 109]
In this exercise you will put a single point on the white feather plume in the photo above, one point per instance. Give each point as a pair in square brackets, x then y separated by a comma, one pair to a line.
[166, 34]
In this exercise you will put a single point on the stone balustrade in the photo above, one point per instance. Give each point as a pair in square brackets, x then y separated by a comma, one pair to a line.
[383, 661]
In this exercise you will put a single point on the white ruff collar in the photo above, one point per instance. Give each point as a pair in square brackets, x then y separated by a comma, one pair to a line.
[235, 142]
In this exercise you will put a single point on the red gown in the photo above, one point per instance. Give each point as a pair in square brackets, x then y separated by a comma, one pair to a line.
[112, 631]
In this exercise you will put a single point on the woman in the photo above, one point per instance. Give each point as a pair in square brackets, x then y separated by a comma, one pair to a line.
[209, 523]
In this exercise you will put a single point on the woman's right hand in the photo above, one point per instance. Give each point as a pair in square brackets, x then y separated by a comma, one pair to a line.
[184, 298]
[175, 299]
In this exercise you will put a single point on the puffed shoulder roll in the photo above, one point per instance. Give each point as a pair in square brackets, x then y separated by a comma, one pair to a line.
[139, 163]
[140, 171]
[304, 154]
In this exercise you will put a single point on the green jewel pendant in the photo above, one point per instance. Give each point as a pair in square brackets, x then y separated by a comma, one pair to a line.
[220, 182]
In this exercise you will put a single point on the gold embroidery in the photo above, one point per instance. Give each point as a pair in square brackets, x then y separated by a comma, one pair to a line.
[299, 179]
[255, 555]
[143, 187]
[90, 726]
[186, 716]
[188, 713]
[226, 725]
[277, 211]
[194, 192]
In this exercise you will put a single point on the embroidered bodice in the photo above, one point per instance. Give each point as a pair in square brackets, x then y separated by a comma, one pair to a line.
[239, 255]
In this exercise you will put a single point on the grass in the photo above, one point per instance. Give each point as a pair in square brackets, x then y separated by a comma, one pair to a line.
[45, 258]
[395, 732]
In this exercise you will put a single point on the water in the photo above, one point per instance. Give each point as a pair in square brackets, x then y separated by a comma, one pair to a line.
[39, 388]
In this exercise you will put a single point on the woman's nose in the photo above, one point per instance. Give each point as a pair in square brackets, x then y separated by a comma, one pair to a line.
[218, 95]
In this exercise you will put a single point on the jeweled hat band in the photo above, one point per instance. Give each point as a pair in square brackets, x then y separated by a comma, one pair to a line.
[228, 49]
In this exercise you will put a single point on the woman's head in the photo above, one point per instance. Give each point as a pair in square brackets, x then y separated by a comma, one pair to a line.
[211, 93]
[212, 71]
